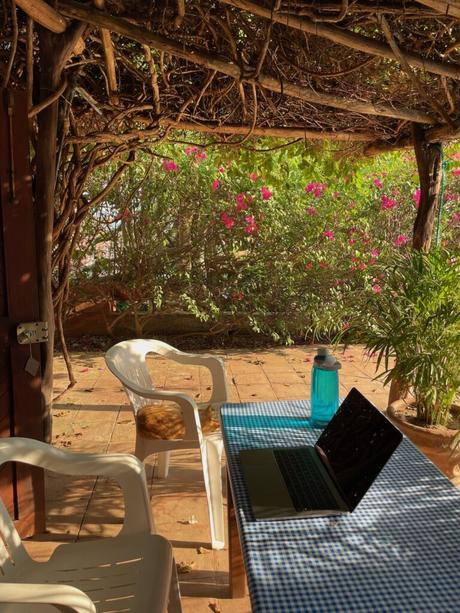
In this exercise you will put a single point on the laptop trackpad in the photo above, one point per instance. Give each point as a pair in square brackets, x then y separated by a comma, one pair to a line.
[265, 485]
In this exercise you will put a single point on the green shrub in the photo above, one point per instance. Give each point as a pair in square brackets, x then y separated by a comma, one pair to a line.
[414, 319]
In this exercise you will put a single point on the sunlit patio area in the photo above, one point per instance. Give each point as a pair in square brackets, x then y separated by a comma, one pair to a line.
[95, 416]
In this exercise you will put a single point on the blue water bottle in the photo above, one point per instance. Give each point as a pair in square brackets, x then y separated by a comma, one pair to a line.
[324, 388]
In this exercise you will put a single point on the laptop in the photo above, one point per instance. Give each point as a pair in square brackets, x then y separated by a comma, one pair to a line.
[329, 478]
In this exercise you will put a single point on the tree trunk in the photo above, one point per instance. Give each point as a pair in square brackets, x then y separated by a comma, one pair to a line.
[429, 164]
[54, 52]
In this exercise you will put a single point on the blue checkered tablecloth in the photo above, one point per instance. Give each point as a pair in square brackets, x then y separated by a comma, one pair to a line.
[398, 552]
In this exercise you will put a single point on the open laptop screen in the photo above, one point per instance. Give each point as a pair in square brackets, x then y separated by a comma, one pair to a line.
[356, 445]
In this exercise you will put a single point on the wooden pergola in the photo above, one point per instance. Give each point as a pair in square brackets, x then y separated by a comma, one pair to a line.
[106, 78]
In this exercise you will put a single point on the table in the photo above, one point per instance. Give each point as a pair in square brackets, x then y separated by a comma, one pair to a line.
[398, 552]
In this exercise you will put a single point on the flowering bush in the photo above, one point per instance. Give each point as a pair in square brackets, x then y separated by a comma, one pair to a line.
[274, 242]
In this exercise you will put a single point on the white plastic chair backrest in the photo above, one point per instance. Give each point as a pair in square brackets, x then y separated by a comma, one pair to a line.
[126, 360]
[12, 551]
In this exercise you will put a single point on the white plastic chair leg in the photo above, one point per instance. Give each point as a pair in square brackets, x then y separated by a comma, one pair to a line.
[211, 455]
[163, 464]
[139, 450]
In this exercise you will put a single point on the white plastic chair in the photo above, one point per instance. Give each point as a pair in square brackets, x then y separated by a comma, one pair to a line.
[133, 572]
[126, 360]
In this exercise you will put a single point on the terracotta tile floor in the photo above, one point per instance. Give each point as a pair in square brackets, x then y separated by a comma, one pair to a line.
[94, 416]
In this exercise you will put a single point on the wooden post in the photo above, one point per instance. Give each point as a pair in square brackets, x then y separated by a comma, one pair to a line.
[429, 164]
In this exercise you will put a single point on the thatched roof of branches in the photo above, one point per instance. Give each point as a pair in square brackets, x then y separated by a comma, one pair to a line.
[351, 70]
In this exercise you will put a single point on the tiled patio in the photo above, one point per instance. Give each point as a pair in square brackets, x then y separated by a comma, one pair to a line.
[94, 416]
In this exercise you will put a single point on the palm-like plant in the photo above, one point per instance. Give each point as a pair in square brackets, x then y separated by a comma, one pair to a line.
[415, 320]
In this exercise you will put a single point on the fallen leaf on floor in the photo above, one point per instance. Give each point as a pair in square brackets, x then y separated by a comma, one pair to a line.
[125, 421]
[89, 389]
[191, 520]
[215, 607]
[84, 370]
[185, 567]
[201, 550]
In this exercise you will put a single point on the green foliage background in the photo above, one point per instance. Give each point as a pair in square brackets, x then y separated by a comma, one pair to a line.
[162, 239]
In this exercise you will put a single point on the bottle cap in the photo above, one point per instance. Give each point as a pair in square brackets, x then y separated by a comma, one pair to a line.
[325, 360]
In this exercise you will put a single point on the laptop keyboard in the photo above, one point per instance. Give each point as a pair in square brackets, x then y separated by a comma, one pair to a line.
[304, 481]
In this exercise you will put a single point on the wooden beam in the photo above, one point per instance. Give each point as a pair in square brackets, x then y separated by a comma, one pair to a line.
[449, 9]
[381, 146]
[208, 60]
[44, 14]
[437, 134]
[347, 38]
[109, 57]
[285, 132]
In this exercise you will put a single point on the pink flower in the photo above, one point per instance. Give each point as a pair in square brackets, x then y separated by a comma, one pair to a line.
[241, 202]
[200, 156]
[317, 189]
[387, 203]
[266, 193]
[450, 197]
[374, 253]
[400, 240]
[227, 221]
[169, 166]
[251, 226]
[237, 296]
[312, 211]
[376, 289]
[215, 184]
[378, 184]
[190, 150]
[253, 176]
[455, 156]
[221, 169]
[455, 217]
[351, 241]
[309, 265]
[456, 171]
[416, 198]
[329, 235]
[346, 325]
[352, 205]
[336, 194]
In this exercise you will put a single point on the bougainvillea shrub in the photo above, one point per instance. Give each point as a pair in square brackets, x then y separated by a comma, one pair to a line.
[272, 240]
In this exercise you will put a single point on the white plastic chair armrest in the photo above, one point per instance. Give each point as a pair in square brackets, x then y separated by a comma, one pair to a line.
[188, 406]
[213, 363]
[57, 594]
[126, 469]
